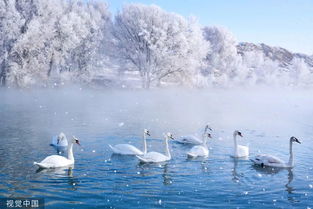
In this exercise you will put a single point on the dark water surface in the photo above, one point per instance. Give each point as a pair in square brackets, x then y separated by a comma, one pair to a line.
[29, 118]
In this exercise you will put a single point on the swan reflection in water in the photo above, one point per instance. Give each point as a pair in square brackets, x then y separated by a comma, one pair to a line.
[153, 169]
[273, 171]
[61, 173]
[235, 174]
[289, 188]
[205, 167]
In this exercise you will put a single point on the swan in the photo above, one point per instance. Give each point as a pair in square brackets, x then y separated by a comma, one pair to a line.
[194, 138]
[60, 140]
[239, 151]
[200, 150]
[56, 161]
[127, 149]
[156, 157]
[272, 161]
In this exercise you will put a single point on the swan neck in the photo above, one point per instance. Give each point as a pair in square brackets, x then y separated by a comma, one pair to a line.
[70, 155]
[291, 163]
[204, 131]
[204, 140]
[236, 145]
[144, 143]
[167, 150]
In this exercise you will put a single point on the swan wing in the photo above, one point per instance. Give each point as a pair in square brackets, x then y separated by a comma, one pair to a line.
[54, 161]
[141, 159]
[189, 139]
[62, 143]
[267, 160]
[198, 151]
[126, 149]
[153, 157]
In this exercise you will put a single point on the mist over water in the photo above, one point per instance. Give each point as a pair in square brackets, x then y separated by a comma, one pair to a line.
[266, 117]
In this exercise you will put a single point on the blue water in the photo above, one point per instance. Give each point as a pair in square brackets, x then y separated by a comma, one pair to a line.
[29, 118]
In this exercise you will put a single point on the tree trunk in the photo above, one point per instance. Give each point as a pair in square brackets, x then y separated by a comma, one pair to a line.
[143, 82]
[3, 74]
[50, 66]
[147, 84]
[159, 82]
[146, 80]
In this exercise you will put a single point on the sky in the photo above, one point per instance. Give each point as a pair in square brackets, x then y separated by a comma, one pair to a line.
[284, 23]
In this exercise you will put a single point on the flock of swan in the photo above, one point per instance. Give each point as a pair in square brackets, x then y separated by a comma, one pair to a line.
[200, 149]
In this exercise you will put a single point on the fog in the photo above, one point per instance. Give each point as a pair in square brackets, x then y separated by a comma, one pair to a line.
[282, 112]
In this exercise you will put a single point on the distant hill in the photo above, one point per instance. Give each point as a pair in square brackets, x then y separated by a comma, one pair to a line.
[278, 54]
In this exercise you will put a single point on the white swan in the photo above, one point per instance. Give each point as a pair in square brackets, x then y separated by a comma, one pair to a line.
[56, 161]
[239, 150]
[272, 161]
[200, 150]
[193, 138]
[127, 149]
[60, 140]
[156, 157]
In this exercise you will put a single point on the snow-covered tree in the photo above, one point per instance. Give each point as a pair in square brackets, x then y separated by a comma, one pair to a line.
[223, 59]
[261, 70]
[57, 40]
[91, 51]
[12, 25]
[33, 45]
[156, 43]
[300, 74]
[42, 39]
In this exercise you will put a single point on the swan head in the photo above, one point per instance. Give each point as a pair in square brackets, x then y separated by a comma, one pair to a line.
[75, 140]
[61, 137]
[169, 136]
[294, 139]
[207, 127]
[237, 133]
[147, 132]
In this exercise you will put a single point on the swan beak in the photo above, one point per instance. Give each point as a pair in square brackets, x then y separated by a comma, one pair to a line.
[77, 142]
[148, 133]
[171, 137]
[209, 135]
[240, 134]
[298, 141]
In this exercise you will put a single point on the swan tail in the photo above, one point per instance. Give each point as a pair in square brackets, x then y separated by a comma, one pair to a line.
[191, 155]
[113, 149]
[141, 159]
[257, 162]
[254, 161]
[180, 140]
[40, 165]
